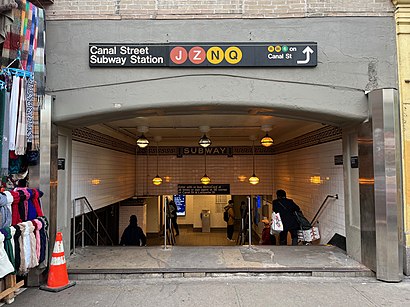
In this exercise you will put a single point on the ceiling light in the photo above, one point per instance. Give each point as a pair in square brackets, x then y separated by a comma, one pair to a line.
[142, 141]
[205, 179]
[266, 141]
[253, 180]
[204, 141]
[157, 179]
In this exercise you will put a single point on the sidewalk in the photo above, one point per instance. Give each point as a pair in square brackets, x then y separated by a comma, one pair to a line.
[228, 291]
[106, 262]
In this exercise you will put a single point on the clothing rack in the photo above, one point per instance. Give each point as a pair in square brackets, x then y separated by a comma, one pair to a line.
[17, 72]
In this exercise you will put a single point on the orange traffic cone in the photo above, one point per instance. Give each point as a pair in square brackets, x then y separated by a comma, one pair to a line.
[57, 275]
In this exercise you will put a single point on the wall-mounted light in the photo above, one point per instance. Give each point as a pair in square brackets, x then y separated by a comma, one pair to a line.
[253, 179]
[266, 141]
[204, 141]
[142, 141]
[157, 179]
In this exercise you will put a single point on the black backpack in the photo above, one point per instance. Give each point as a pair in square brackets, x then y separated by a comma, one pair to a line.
[226, 216]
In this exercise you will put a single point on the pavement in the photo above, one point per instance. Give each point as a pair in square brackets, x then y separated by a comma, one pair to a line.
[225, 291]
[113, 262]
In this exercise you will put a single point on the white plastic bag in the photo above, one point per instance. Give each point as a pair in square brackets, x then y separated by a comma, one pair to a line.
[276, 225]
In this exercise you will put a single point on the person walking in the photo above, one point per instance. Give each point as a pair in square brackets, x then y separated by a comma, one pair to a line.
[286, 208]
[231, 221]
[133, 234]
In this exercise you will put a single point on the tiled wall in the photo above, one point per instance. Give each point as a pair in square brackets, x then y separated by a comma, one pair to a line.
[308, 175]
[102, 175]
[190, 169]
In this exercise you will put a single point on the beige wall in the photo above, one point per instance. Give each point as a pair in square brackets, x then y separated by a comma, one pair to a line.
[199, 9]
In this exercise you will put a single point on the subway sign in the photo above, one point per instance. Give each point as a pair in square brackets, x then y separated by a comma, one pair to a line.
[272, 54]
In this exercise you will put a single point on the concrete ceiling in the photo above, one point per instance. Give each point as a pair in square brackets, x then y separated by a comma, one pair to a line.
[225, 129]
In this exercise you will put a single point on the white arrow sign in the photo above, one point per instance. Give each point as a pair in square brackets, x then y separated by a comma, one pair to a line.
[308, 51]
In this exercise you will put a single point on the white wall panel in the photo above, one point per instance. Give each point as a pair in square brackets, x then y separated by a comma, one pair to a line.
[102, 175]
[308, 175]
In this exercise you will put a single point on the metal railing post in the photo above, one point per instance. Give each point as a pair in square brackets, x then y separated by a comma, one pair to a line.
[98, 233]
[74, 235]
[82, 224]
[249, 221]
[165, 222]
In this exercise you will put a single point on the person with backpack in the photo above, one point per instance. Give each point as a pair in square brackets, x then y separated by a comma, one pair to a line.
[229, 218]
[286, 208]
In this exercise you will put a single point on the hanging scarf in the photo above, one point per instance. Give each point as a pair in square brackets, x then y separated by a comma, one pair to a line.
[12, 43]
[15, 215]
[32, 43]
[35, 145]
[5, 213]
[29, 108]
[22, 208]
[8, 243]
[39, 58]
[9, 202]
[5, 137]
[25, 248]
[6, 17]
[16, 237]
[43, 239]
[21, 136]
[35, 199]
[33, 248]
[2, 115]
[32, 212]
[14, 103]
[5, 265]
[37, 225]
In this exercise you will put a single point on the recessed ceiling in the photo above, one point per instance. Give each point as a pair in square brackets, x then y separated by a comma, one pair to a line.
[225, 129]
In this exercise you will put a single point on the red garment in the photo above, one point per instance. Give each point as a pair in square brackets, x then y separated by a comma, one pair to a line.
[15, 216]
[25, 202]
[36, 202]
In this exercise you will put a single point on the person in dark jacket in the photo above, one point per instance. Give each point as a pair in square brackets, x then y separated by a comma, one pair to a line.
[286, 208]
[174, 209]
[133, 234]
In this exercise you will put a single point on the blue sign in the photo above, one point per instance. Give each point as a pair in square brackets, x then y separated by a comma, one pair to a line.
[180, 202]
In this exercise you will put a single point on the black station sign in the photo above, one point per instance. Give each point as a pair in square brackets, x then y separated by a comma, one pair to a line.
[211, 151]
[203, 189]
[273, 54]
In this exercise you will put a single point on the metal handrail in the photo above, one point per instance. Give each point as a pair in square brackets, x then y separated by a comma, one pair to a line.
[83, 231]
[322, 208]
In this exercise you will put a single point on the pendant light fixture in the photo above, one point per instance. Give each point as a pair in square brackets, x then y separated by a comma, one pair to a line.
[266, 141]
[253, 179]
[157, 179]
[204, 141]
[205, 179]
[142, 141]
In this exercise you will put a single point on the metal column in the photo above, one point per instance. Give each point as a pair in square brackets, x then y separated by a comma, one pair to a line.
[384, 112]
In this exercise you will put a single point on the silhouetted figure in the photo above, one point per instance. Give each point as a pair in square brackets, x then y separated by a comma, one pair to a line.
[286, 208]
[174, 209]
[133, 234]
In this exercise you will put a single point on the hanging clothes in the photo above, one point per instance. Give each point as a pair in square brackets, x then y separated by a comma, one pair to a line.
[21, 134]
[5, 137]
[36, 201]
[5, 265]
[35, 143]
[8, 234]
[2, 116]
[43, 240]
[14, 103]
[25, 248]
[16, 239]
[33, 249]
[12, 39]
[5, 212]
[37, 228]
[22, 206]
[15, 214]
[29, 108]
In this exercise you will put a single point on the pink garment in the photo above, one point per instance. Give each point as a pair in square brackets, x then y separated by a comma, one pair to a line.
[27, 194]
[38, 225]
